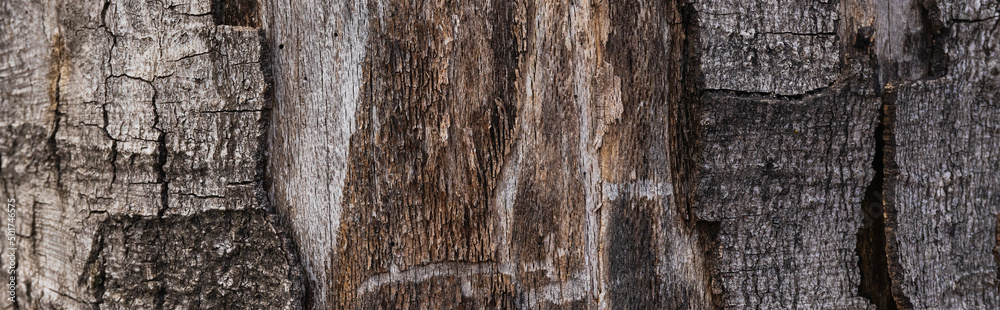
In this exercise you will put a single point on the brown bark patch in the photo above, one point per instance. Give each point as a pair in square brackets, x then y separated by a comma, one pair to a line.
[434, 125]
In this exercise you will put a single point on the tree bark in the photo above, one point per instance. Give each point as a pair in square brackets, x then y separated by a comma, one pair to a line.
[501, 154]
[132, 148]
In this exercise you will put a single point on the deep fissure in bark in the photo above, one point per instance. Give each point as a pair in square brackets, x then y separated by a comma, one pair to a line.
[58, 55]
[161, 159]
[685, 87]
[996, 245]
[708, 240]
[876, 285]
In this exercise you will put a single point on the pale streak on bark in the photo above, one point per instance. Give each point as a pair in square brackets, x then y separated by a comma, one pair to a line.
[599, 106]
[423, 273]
[505, 194]
[314, 119]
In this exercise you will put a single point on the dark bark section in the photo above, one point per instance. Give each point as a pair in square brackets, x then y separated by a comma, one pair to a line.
[245, 13]
[635, 150]
[632, 253]
[782, 172]
[940, 161]
[778, 177]
[215, 259]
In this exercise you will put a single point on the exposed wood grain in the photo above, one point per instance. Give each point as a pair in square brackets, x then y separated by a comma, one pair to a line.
[317, 48]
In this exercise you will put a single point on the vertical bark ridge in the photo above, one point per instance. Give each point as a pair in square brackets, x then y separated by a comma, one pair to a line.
[897, 274]
[317, 54]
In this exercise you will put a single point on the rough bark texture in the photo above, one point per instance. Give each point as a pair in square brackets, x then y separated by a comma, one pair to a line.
[519, 154]
[942, 157]
[132, 143]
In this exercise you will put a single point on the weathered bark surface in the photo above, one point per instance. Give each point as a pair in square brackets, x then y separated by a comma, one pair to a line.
[942, 157]
[502, 154]
[783, 176]
[132, 143]
[482, 149]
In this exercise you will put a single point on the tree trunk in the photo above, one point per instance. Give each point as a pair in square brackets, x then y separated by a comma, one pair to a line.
[501, 154]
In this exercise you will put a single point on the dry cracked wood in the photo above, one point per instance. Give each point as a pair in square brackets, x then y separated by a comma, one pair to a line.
[502, 154]
[132, 143]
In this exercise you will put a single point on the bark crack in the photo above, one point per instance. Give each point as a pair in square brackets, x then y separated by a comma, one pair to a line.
[95, 273]
[161, 160]
[750, 94]
[57, 63]
[875, 285]
[114, 146]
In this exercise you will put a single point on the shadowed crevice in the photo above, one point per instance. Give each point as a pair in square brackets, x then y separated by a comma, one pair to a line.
[708, 241]
[996, 245]
[876, 285]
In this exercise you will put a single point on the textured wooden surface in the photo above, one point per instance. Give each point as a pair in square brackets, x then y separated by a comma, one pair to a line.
[502, 154]
[132, 143]
[942, 161]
